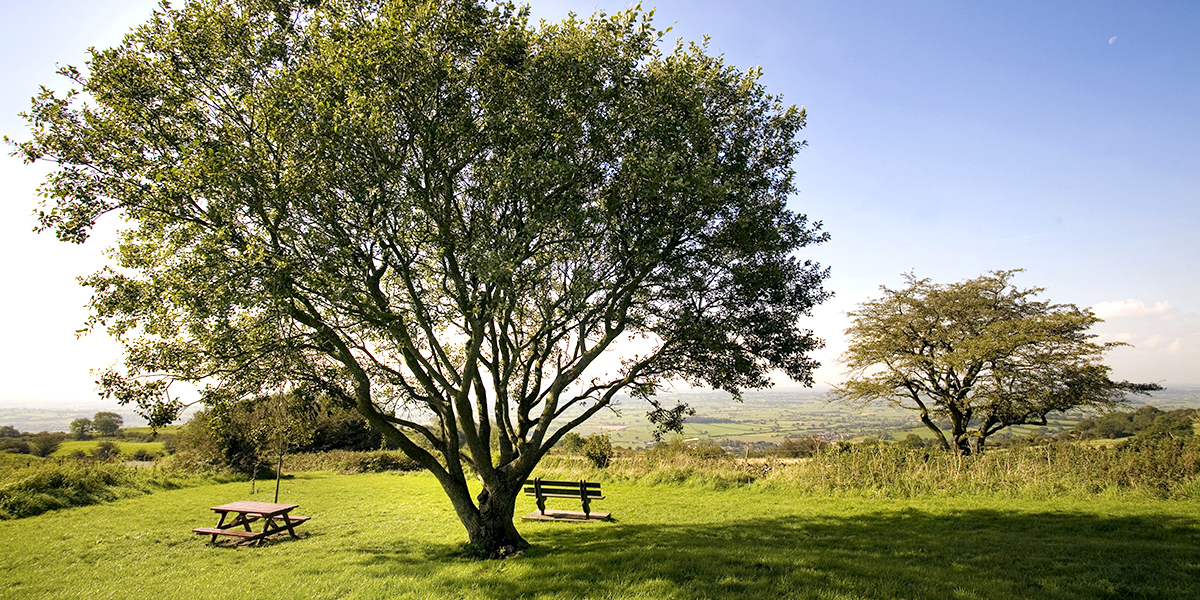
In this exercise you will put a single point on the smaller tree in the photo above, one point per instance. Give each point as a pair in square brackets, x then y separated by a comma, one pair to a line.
[8, 431]
[598, 449]
[106, 424]
[571, 443]
[81, 429]
[280, 423]
[982, 355]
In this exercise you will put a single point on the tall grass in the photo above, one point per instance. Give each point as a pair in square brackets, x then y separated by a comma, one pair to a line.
[38, 487]
[1167, 468]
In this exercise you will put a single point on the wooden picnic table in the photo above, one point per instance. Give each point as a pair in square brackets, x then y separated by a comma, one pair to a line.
[275, 518]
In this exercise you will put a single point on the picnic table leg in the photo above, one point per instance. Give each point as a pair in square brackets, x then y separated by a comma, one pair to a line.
[219, 524]
[287, 521]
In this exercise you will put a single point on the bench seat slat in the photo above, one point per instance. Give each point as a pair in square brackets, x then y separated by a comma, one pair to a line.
[575, 495]
[233, 532]
[573, 484]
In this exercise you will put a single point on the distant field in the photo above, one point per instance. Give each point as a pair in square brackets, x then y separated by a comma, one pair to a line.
[39, 419]
[764, 416]
[127, 448]
[774, 416]
[391, 536]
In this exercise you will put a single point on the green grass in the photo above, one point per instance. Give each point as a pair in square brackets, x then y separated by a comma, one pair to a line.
[148, 430]
[395, 536]
[87, 446]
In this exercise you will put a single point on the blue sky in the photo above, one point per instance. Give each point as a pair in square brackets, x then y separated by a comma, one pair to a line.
[946, 138]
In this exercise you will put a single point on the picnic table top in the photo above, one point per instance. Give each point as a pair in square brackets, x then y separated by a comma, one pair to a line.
[262, 508]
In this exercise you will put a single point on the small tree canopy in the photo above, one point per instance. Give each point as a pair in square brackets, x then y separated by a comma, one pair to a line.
[981, 353]
[81, 429]
[107, 423]
[436, 213]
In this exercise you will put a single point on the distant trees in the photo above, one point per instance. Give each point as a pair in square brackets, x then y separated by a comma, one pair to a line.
[81, 429]
[1145, 421]
[981, 353]
[103, 424]
[107, 424]
[242, 436]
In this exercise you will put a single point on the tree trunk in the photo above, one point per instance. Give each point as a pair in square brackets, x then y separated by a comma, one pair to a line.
[490, 529]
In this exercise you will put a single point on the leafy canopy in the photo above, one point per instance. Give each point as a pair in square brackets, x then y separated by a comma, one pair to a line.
[981, 354]
[432, 208]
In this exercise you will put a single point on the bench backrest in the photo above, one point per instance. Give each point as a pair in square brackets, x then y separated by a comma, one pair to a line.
[538, 487]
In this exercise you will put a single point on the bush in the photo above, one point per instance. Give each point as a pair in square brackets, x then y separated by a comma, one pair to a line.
[802, 447]
[143, 455]
[598, 449]
[571, 442]
[14, 445]
[50, 485]
[345, 461]
[106, 452]
[44, 444]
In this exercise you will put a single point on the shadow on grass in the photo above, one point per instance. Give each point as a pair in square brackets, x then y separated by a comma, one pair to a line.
[899, 554]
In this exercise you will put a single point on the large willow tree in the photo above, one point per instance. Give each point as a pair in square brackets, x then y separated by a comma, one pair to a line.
[437, 213]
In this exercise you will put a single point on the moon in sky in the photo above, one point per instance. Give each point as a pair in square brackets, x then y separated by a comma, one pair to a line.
[1112, 39]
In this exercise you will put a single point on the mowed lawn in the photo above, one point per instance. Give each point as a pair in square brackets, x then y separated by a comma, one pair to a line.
[395, 536]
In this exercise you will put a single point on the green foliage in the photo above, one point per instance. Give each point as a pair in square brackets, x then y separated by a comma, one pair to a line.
[44, 444]
[51, 485]
[14, 445]
[344, 461]
[8, 431]
[81, 429]
[981, 353]
[598, 449]
[801, 447]
[571, 442]
[106, 451]
[107, 424]
[1147, 421]
[431, 208]
[1162, 468]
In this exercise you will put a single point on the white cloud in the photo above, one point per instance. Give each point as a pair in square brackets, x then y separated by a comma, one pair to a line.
[1123, 309]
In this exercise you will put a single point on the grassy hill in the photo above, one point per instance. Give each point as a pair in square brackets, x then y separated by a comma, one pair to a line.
[393, 536]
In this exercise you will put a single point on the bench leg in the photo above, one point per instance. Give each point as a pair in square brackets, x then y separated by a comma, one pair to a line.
[541, 502]
[587, 507]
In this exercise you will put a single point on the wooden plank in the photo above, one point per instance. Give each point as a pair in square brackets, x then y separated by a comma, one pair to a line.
[568, 516]
[575, 495]
[233, 532]
[574, 484]
[257, 508]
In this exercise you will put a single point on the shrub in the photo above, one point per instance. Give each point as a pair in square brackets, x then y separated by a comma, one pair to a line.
[106, 451]
[345, 461]
[598, 449]
[14, 445]
[571, 442]
[143, 455]
[802, 447]
[44, 444]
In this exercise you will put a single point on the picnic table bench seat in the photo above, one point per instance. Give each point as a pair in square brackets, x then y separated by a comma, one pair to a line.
[584, 491]
[219, 531]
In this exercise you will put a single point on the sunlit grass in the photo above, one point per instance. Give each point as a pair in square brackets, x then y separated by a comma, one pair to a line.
[395, 536]
[88, 446]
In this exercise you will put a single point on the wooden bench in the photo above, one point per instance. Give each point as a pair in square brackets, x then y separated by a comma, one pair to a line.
[584, 491]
